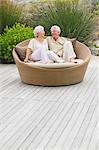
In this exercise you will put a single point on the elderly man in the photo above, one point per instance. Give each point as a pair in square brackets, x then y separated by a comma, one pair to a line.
[60, 46]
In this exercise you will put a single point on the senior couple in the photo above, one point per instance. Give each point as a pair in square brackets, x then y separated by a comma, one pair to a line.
[51, 49]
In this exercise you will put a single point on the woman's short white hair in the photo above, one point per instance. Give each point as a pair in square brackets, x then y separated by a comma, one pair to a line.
[38, 29]
[55, 27]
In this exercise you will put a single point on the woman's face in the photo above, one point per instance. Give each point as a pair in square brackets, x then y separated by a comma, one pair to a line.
[41, 34]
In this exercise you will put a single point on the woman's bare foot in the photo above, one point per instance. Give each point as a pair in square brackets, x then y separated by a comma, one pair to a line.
[26, 60]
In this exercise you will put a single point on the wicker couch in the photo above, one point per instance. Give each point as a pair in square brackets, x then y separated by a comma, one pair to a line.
[47, 75]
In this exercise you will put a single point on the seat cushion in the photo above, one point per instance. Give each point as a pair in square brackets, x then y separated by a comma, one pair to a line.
[21, 52]
[56, 65]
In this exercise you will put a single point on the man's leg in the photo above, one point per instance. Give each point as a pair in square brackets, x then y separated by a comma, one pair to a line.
[54, 57]
[68, 51]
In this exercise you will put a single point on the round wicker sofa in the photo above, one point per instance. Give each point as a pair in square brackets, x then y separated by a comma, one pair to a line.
[53, 76]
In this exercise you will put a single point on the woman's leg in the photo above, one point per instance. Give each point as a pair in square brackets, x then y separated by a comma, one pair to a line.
[40, 55]
[44, 55]
[68, 51]
[36, 55]
[28, 52]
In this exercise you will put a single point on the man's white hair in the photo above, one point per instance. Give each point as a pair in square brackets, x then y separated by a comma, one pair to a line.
[55, 27]
[38, 29]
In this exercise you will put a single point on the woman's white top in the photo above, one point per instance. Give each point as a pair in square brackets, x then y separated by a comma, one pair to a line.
[35, 44]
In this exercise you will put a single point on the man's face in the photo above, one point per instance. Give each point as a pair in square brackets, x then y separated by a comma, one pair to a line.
[55, 34]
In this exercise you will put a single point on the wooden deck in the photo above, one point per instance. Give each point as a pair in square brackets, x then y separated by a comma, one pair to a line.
[49, 118]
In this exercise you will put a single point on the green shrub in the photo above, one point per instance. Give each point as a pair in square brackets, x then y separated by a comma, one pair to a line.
[10, 38]
[10, 13]
[74, 20]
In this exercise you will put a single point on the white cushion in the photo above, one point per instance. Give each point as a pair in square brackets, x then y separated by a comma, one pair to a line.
[56, 65]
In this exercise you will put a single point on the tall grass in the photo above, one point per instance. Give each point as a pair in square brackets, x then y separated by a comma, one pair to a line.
[10, 13]
[74, 20]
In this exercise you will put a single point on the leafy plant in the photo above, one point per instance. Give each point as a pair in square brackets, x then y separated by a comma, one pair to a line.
[10, 13]
[74, 20]
[10, 38]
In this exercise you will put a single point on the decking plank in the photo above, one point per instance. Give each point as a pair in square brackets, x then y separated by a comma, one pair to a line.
[48, 118]
[28, 123]
[65, 137]
[86, 128]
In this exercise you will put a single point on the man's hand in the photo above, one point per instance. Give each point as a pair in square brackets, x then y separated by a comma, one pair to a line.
[73, 60]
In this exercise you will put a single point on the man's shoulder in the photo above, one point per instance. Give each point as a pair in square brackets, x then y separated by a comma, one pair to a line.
[48, 37]
[63, 38]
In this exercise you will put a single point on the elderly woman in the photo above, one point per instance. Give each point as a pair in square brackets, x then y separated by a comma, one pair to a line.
[38, 47]
[60, 46]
